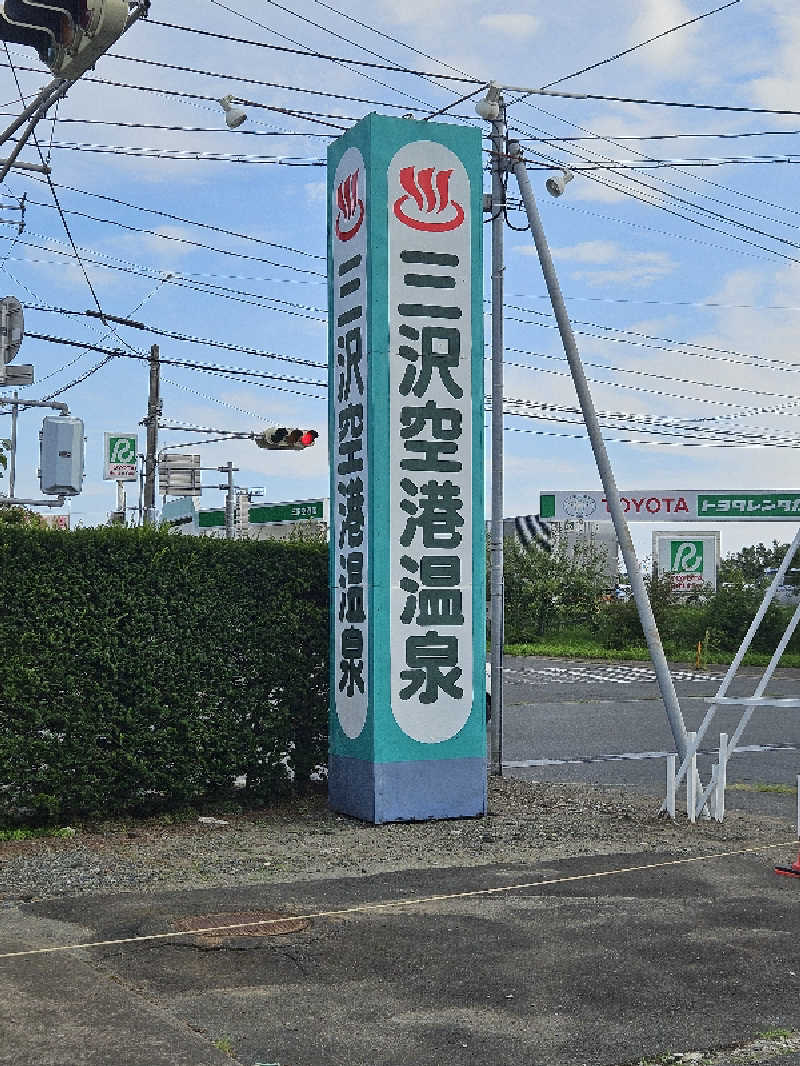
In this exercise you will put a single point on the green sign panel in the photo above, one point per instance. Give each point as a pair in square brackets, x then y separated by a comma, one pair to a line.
[301, 511]
[748, 505]
[119, 457]
[210, 519]
[686, 556]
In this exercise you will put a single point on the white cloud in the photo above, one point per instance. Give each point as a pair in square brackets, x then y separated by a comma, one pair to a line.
[779, 86]
[316, 191]
[609, 262]
[512, 23]
[671, 54]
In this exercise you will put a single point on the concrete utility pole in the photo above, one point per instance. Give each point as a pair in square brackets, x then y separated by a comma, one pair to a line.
[230, 502]
[12, 470]
[496, 536]
[153, 414]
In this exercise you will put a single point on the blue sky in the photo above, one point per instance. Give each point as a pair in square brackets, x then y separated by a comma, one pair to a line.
[682, 281]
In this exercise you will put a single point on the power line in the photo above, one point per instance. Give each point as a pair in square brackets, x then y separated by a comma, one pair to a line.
[617, 137]
[237, 132]
[53, 191]
[189, 155]
[325, 29]
[310, 53]
[187, 221]
[635, 47]
[683, 188]
[266, 84]
[731, 108]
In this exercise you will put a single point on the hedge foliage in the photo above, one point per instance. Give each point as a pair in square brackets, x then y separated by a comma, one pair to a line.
[142, 671]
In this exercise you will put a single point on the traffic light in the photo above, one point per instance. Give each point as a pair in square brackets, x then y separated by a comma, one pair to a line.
[69, 35]
[285, 437]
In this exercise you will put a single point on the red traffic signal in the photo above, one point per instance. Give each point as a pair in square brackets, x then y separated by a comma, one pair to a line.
[285, 437]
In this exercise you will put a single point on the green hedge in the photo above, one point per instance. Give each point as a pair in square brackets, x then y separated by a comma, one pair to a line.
[142, 671]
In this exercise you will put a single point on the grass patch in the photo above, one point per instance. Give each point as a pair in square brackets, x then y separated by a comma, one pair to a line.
[577, 645]
[34, 834]
[224, 1044]
[763, 786]
[776, 1034]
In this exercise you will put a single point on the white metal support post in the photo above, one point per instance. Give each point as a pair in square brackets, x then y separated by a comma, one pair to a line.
[496, 539]
[652, 636]
[769, 595]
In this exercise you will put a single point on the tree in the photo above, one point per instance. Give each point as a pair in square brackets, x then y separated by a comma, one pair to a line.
[751, 563]
[20, 516]
[548, 591]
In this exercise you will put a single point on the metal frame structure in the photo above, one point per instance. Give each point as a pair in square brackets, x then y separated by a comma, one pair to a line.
[716, 785]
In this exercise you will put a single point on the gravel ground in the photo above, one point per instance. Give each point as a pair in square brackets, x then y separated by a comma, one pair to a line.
[528, 823]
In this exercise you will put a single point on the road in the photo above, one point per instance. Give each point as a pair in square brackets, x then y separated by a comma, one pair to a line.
[605, 723]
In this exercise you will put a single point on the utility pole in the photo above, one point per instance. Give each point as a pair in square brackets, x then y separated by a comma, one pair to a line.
[665, 682]
[153, 415]
[230, 503]
[12, 471]
[498, 207]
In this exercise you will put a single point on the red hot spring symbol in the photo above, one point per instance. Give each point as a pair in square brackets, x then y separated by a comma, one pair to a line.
[351, 208]
[430, 208]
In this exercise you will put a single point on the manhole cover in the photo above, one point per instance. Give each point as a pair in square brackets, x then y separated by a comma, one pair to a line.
[223, 927]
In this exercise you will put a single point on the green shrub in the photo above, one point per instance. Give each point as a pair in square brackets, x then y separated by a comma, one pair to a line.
[142, 670]
[545, 592]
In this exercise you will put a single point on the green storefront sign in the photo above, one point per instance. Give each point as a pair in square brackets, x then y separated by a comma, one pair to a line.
[675, 505]
[686, 556]
[301, 511]
[748, 505]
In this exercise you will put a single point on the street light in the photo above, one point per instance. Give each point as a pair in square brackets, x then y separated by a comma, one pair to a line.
[556, 185]
[234, 116]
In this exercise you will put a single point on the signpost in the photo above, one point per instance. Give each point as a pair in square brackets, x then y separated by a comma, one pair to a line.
[691, 558]
[677, 505]
[119, 456]
[179, 475]
[407, 729]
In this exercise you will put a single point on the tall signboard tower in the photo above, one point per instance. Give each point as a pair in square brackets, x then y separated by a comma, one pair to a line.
[407, 719]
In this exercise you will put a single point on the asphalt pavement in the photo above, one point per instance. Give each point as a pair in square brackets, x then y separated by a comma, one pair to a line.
[604, 960]
[605, 723]
[598, 966]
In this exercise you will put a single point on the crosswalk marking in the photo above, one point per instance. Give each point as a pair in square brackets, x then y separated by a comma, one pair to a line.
[634, 756]
[617, 675]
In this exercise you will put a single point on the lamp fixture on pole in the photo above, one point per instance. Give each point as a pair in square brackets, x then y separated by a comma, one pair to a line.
[234, 116]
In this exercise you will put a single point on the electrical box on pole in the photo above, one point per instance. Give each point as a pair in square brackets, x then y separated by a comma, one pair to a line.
[12, 330]
[61, 456]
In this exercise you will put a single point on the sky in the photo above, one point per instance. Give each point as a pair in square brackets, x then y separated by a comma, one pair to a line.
[681, 279]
